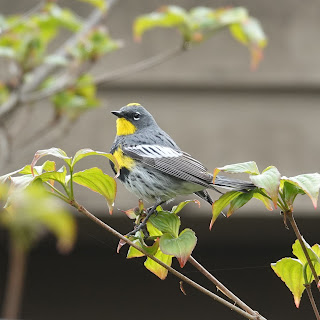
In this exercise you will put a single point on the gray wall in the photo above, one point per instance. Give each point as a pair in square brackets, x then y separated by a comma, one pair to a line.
[208, 99]
[215, 108]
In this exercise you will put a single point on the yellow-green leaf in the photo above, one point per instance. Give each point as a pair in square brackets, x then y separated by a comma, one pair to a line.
[97, 181]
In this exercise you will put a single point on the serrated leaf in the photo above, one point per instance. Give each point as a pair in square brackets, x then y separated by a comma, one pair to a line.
[181, 247]
[244, 167]
[239, 201]
[89, 152]
[166, 222]
[99, 182]
[181, 205]
[56, 152]
[291, 273]
[298, 252]
[155, 268]
[269, 180]
[221, 203]
[264, 200]
[309, 183]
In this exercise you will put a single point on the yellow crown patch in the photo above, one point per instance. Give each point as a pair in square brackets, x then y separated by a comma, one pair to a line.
[133, 104]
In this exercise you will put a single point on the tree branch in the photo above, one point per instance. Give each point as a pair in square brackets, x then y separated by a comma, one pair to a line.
[313, 303]
[224, 289]
[139, 66]
[170, 269]
[40, 73]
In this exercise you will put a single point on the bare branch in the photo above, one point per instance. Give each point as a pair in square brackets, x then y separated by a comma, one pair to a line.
[170, 269]
[139, 66]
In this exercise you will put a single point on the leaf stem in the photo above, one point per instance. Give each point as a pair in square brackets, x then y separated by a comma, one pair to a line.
[170, 269]
[296, 230]
[313, 303]
[62, 196]
[224, 289]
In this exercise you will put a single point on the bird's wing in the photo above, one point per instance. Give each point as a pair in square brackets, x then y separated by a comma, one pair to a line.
[170, 161]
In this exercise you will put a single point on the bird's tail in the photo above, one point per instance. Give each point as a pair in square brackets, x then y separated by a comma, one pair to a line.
[233, 184]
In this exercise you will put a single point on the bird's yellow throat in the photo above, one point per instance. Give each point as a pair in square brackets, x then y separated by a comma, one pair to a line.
[125, 127]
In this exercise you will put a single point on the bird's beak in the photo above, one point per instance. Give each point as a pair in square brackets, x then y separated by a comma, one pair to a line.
[117, 113]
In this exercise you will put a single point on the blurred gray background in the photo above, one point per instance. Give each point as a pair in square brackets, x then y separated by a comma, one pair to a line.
[219, 111]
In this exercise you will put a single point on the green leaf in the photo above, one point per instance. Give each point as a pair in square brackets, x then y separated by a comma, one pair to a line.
[63, 17]
[155, 268]
[153, 231]
[316, 249]
[298, 252]
[264, 200]
[309, 183]
[290, 191]
[291, 273]
[239, 201]
[244, 167]
[100, 4]
[166, 222]
[133, 252]
[181, 205]
[181, 247]
[221, 203]
[269, 180]
[250, 33]
[56, 152]
[89, 152]
[7, 52]
[168, 17]
[99, 182]
[59, 176]
[56, 60]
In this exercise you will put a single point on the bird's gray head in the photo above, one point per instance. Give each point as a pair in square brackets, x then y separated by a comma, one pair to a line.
[131, 118]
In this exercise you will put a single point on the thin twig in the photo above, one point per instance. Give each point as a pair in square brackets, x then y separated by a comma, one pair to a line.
[15, 280]
[296, 230]
[139, 66]
[224, 289]
[23, 17]
[313, 303]
[170, 269]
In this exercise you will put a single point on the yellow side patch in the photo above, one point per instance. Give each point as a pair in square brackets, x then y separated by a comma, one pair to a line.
[133, 104]
[123, 161]
[125, 127]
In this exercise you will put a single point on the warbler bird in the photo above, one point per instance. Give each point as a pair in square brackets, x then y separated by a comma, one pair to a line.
[154, 168]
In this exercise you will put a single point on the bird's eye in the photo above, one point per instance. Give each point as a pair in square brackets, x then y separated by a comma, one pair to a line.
[136, 116]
